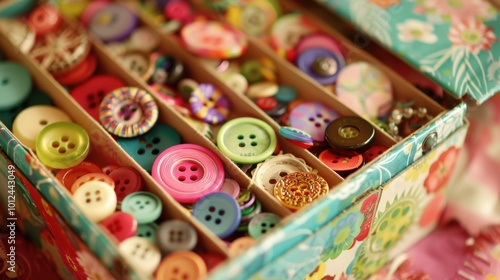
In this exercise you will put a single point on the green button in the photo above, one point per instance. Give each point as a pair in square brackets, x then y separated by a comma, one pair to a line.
[15, 85]
[262, 223]
[286, 94]
[144, 206]
[246, 140]
[252, 71]
[147, 231]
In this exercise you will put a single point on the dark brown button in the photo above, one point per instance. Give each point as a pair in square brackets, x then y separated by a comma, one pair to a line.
[349, 134]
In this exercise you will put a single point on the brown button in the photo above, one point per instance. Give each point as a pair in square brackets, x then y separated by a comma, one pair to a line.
[325, 66]
[349, 134]
[299, 189]
[342, 164]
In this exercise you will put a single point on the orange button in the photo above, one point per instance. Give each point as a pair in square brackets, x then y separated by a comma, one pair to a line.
[182, 265]
[240, 245]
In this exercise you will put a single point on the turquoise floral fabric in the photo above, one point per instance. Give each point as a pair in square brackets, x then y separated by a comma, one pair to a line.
[454, 42]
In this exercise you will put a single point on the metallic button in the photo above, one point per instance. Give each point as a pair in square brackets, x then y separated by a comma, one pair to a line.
[300, 189]
[325, 66]
[430, 142]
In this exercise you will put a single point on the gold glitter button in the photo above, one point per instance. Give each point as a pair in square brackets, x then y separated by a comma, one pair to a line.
[299, 189]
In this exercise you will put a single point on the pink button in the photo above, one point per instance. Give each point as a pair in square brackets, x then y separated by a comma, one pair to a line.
[127, 180]
[231, 187]
[188, 172]
[121, 225]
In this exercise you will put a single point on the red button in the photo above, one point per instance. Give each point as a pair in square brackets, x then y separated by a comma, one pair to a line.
[121, 225]
[266, 103]
[343, 165]
[127, 180]
[79, 73]
[373, 153]
[177, 10]
[67, 177]
[211, 260]
[44, 19]
[109, 168]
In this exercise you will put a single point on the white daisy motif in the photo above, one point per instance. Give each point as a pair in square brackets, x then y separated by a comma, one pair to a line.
[494, 71]
[415, 30]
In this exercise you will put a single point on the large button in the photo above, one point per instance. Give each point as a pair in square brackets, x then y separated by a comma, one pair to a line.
[44, 19]
[144, 206]
[188, 172]
[312, 118]
[121, 225]
[262, 223]
[96, 200]
[176, 236]
[300, 189]
[100, 177]
[322, 65]
[32, 120]
[127, 181]
[147, 147]
[113, 22]
[349, 134]
[219, 212]
[342, 164]
[128, 112]
[182, 266]
[141, 254]
[62, 145]
[209, 104]
[147, 231]
[67, 177]
[246, 140]
[15, 85]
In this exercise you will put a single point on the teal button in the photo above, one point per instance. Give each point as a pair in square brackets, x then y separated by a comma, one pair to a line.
[144, 206]
[15, 85]
[286, 94]
[262, 223]
[147, 231]
[37, 97]
[16, 8]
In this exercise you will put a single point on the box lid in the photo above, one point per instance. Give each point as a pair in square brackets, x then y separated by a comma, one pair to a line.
[454, 42]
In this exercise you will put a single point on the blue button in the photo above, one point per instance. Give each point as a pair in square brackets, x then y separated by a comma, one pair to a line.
[219, 212]
[15, 85]
[285, 94]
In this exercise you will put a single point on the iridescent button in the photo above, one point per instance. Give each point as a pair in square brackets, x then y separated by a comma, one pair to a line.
[188, 172]
[246, 140]
[262, 223]
[342, 164]
[209, 104]
[96, 200]
[121, 225]
[140, 253]
[219, 212]
[300, 189]
[128, 112]
[312, 118]
[127, 181]
[176, 235]
[349, 134]
[183, 265]
[62, 145]
[146, 207]
[113, 22]
[15, 85]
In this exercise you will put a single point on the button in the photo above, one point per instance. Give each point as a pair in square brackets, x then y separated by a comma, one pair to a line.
[144, 206]
[343, 164]
[90, 93]
[287, 31]
[373, 152]
[72, 8]
[140, 253]
[349, 134]
[262, 223]
[219, 212]
[266, 103]
[251, 70]
[277, 112]
[100, 177]
[253, 17]
[213, 39]
[109, 168]
[114, 22]
[15, 85]
[286, 94]
[230, 187]
[186, 87]
[168, 70]
[300, 189]
[320, 40]
[262, 89]
[31, 121]
[182, 266]
[246, 140]
[301, 144]
[147, 231]
[19, 33]
[312, 118]
[138, 62]
[176, 235]
[128, 112]
[211, 260]
[147, 147]
[62, 145]
[16, 8]
[209, 104]
[89, 10]
[236, 82]
[202, 127]
[127, 181]
[121, 225]
[320, 64]
[144, 38]
[44, 19]
[366, 89]
[177, 10]
[295, 134]
[240, 245]
[67, 177]
[96, 200]
[79, 73]
[271, 171]
[188, 172]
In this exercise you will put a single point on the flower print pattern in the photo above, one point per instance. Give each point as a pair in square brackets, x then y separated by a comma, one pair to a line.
[415, 30]
[494, 71]
[93, 269]
[441, 171]
[367, 209]
[343, 234]
[385, 3]
[472, 35]
[433, 210]
[453, 10]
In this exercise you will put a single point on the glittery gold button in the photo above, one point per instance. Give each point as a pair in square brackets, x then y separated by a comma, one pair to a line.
[299, 189]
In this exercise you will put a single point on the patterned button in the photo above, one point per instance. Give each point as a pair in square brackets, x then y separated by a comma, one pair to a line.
[188, 172]
[209, 104]
[67, 177]
[262, 223]
[15, 85]
[300, 189]
[288, 30]
[62, 145]
[140, 253]
[312, 118]
[182, 266]
[219, 212]
[121, 225]
[342, 164]
[146, 207]
[240, 245]
[176, 235]
[147, 231]
[127, 181]
[128, 112]
[100, 177]
[44, 19]
[96, 200]
[349, 134]
[114, 22]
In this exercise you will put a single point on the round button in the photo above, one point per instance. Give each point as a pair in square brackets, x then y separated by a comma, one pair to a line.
[236, 82]
[143, 38]
[286, 94]
[266, 103]
[62, 145]
[72, 8]
[219, 212]
[253, 17]
[231, 187]
[176, 236]
[287, 31]
[319, 40]
[127, 181]
[109, 168]
[342, 164]
[312, 118]
[121, 225]
[15, 85]
[89, 10]
[295, 134]
[168, 69]
[138, 62]
[177, 10]
[140, 253]
[183, 265]
[322, 65]
[147, 231]
[373, 152]
[188, 172]
[114, 22]
[262, 89]
[251, 70]
[211, 260]
[240, 245]
[67, 177]
[100, 177]
[79, 73]
[147, 147]
[31, 121]
[128, 112]
[262, 223]
[209, 104]
[96, 200]
[144, 206]
[44, 19]
[300, 189]
[349, 134]
[246, 140]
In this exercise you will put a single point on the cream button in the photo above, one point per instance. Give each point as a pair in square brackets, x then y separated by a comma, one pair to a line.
[140, 253]
[97, 200]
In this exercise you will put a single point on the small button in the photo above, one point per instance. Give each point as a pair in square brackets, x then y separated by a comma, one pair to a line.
[342, 164]
[31, 121]
[71, 8]
[256, 17]
[114, 22]
[109, 168]
[167, 69]
[96, 200]
[262, 223]
[67, 177]
[143, 38]
[320, 64]
[373, 152]
[188, 172]
[246, 140]
[147, 231]
[15, 85]
[262, 89]
[251, 70]
[44, 19]
[219, 212]
[209, 104]
[300, 189]
[240, 245]
[182, 266]
[312, 118]
[140, 253]
[100, 177]
[62, 145]
[231, 187]
[301, 144]
[127, 181]
[349, 134]
[286, 94]
[236, 82]
[266, 103]
[186, 87]
[293, 133]
[146, 207]
[138, 62]
[89, 10]
[202, 127]
[121, 225]
[128, 112]
[176, 236]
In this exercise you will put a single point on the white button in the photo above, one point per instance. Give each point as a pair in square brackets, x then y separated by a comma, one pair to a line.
[143, 38]
[262, 89]
[140, 253]
[138, 63]
[97, 200]
[236, 82]
[30, 121]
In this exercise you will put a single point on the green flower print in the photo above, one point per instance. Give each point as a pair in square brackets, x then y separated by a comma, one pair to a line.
[344, 232]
